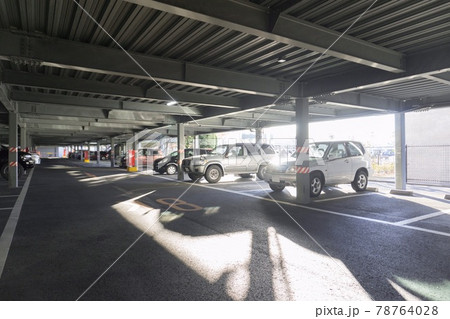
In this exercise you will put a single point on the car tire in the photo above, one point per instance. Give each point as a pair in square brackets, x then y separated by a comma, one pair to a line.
[4, 170]
[194, 177]
[261, 171]
[276, 187]
[360, 182]
[213, 174]
[316, 182]
[245, 175]
[171, 169]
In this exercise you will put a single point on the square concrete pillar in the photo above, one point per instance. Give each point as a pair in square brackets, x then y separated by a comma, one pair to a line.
[180, 143]
[13, 161]
[400, 152]
[302, 176]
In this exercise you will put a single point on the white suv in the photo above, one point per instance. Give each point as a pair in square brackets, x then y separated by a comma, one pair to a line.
[241, 159]
[330, 163]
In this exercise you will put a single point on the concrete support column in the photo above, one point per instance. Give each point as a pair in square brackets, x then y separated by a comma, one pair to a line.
[302, 164]
[180, 143]
[98, 152]
[400, 152]
[112, 156]
[136, 151]
[23, 137]
[13, 161]
[82, 152]
[258, 135]
[196, 145]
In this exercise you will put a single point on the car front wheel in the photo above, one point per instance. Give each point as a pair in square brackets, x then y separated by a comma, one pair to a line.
[213, 174]
[316, 185]
[276, 187]
[171, 169]
[194, 177]
[261, 172]
[359, 184]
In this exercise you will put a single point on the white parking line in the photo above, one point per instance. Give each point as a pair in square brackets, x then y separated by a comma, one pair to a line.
[341, 197]
[416, 219]
[4, 196]
[10, 227]
[319, 209]
[6, 208]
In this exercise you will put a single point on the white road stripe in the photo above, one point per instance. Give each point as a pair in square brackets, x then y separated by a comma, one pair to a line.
[10, 227]
[4, 196]
[6, 208]
[321, 210]
[341, 197]
[415, 219]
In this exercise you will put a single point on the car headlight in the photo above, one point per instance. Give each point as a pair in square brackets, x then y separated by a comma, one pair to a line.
[291, 170]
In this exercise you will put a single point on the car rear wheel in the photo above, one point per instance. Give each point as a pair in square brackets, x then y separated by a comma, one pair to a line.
[194, 177]
[359, 184]
[171, 169]
[261, 171]
[4, 170]
[276, 187]
[213, 174]
[316, 184]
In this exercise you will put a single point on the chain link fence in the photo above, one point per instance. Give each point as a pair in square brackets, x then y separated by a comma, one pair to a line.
[429, 165]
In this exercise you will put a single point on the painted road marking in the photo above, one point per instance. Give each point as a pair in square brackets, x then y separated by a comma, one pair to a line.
[10, 227]
[318, 209]
[4, 196]
[341, 197]
[416, 219]
[179, 204]
[6, 208]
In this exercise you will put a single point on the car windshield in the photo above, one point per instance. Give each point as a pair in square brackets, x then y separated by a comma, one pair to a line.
[316, 150]
[219, 150]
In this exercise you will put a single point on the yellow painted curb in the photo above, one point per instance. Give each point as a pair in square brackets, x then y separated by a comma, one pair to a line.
[86, 161]
[132, 169]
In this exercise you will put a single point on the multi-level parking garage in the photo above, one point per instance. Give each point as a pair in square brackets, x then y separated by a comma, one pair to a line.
[77, 72]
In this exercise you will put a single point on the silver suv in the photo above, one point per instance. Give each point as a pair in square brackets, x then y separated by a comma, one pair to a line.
[330, 163]
[242, 159]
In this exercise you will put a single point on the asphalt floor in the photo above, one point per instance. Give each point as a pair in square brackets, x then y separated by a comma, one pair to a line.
[97, 233]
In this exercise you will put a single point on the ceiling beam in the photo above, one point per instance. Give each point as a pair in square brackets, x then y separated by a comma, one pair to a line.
[430, 62]
[246, 17]
[72, 55]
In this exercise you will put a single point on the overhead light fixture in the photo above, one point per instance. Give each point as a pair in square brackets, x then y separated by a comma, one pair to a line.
[170, 103]
[281, 60]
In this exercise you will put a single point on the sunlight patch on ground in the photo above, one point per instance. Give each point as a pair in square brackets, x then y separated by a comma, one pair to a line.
[302, 274]
[430, 291]
[211, 256]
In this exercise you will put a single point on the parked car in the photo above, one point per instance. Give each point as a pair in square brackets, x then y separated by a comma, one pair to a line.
[36, 158]
[242, 159]
[144, 157]
[25, 161]
[330, 163]
[169, 163]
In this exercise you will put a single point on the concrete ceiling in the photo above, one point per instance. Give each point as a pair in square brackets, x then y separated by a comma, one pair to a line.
[80, 71]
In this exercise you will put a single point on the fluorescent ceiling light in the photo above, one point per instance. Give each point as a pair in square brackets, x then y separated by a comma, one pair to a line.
[281, 60]
[170, 103]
